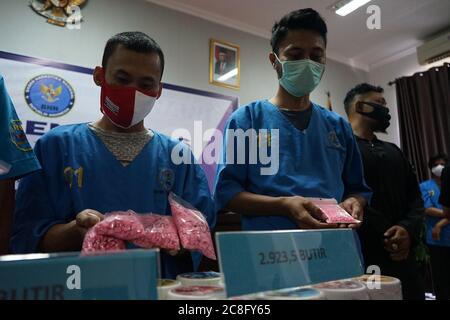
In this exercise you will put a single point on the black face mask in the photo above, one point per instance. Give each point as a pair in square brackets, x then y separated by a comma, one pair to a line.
[380, 113]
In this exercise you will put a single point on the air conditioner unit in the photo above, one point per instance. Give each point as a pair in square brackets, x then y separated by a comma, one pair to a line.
[436, 49]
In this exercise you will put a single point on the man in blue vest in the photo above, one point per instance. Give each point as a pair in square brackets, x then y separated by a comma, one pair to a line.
[17, 159]
[113, 164]
[315, 152]
[437, 202]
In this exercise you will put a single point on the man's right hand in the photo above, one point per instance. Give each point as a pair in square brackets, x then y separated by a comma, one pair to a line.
[69, 236]
[436, 233]
[305, 214]
[86, 219]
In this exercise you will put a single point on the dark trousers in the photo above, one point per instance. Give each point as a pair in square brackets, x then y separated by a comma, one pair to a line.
[440, 269]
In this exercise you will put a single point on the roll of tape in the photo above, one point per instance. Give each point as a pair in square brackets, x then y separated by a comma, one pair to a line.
[247, 297]
[164, 286]
[382, 287]
[197, 293]
[209, 278]
[294, 294]
[343, 290]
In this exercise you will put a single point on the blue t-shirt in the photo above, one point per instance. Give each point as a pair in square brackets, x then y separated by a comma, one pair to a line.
[16, 155]
[322, 161]
[430, 194]
[79, 172]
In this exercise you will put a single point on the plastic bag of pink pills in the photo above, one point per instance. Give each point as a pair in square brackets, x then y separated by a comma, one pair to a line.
[333, 212]
[96, 243]
[124, 225]
[159, 232]
[192, 227]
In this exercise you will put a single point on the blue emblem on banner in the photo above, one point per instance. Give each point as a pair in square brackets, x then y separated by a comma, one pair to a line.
[49, 95]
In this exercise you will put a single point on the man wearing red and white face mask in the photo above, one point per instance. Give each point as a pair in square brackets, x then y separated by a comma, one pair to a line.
[130, 87]
[113, 164]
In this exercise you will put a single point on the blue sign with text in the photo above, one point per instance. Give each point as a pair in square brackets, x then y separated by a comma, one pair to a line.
[261, 261]
[131, 275]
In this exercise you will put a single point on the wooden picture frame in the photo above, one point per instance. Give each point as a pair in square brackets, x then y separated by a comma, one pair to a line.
[224, 64]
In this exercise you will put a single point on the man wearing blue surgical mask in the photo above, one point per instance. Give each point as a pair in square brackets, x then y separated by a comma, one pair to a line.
[316, 151]
[437, 238]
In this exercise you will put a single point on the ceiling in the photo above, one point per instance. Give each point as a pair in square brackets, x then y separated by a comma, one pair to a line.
[404, 24]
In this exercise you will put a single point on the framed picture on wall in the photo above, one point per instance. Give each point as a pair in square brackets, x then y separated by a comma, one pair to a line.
[224, 64]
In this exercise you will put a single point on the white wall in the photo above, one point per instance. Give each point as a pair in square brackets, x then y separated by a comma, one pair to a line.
[183, 38]
[339, 78]
[406, 66]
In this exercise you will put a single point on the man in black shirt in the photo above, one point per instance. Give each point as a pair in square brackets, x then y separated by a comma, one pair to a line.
[444, 199]
[445, 190]
[394, 219]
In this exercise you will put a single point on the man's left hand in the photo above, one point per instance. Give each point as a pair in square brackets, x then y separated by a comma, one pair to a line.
[397, 242]
[353, 206]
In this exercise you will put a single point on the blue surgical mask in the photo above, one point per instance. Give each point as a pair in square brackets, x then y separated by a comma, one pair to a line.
[300, 77]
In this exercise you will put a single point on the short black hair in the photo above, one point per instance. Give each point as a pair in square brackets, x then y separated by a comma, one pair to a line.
[135, 41]
[362, 88]
[308, 19]
[435, 158]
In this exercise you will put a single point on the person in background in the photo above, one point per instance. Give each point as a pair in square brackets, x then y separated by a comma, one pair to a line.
[17, 159]
[444, 199]
[437, 237]
[113, 164]
[393, 221]
[318, 154]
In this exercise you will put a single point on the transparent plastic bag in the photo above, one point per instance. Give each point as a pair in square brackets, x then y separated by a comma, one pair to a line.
[159, 232]
[143, 230]
[334, 212]
[97, 243]
[124, 225]
[192, 227]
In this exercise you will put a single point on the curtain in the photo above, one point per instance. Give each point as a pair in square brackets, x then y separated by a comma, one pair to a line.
[424, 115]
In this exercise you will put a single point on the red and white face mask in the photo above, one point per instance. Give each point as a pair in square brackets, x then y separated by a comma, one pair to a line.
[126, 106]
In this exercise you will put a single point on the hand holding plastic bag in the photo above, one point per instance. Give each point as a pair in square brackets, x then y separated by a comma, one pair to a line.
[333, 212]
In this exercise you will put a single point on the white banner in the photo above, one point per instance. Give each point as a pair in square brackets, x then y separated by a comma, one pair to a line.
[47, 94]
